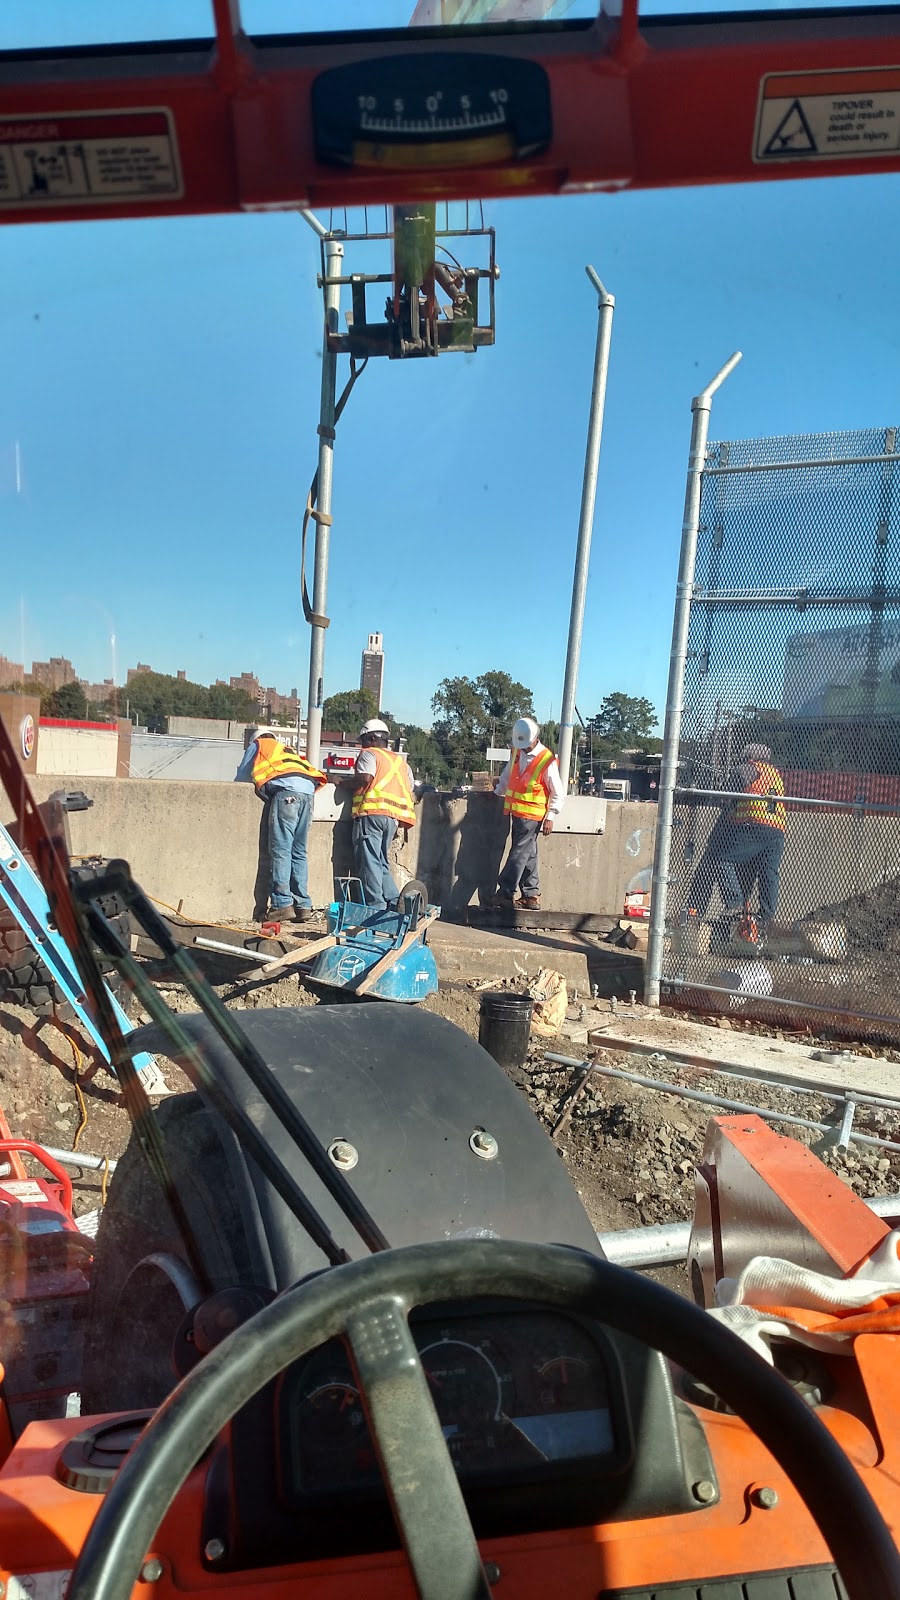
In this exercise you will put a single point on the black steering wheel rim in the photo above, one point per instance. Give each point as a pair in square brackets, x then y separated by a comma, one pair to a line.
[369, 1300]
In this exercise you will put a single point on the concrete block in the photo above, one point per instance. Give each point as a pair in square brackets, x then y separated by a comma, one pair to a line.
[465, 953]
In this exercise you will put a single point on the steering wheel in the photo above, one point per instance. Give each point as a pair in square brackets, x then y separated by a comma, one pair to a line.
[369, 1302]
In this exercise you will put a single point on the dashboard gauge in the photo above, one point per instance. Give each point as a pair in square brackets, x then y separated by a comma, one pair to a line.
[566, 1383]
[472, 1389]
[331, 1417]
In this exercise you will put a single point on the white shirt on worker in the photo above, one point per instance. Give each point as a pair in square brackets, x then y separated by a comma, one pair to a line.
[550, 776]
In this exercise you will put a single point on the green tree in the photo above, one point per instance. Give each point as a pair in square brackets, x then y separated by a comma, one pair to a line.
[69, 701]
[346, 712]
[157, 695]
[625, 719]
[548, 733]
[470, 712]
[234, 705]
[425, 756]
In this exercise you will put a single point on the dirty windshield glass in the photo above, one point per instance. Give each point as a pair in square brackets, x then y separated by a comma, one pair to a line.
[455, 637]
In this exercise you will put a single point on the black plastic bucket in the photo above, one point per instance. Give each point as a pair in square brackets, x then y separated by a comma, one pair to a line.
[504, 1026]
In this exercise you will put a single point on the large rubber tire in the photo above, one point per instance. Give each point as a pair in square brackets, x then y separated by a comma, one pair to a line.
[132, 1324]
[24, 978]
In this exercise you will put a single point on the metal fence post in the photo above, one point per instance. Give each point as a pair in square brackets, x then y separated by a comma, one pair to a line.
[701, 406]
[334, 251]
[606, 303]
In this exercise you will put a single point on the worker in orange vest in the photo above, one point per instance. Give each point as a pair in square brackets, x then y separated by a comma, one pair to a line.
[532, 793]
[383, 801]
[286, 782]
[753, 843]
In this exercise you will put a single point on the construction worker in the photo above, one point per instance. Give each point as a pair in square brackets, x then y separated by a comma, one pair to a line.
[286, 782]
[382, 785]
[532, 794]
[752, 844]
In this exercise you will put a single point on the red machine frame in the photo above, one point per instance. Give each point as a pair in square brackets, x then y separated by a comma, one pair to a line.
[636, 103]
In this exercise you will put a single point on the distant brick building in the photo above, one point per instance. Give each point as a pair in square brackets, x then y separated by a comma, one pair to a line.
[284, 706]
[248, 684]
[53, 674]
[10, 672]
[134, 672]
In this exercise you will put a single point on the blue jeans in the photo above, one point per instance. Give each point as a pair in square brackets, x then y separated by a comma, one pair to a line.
[751, 851]
[521, 869]
[289, 819]
[372, 839]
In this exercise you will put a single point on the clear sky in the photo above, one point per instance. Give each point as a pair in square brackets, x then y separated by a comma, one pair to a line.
[160, 396]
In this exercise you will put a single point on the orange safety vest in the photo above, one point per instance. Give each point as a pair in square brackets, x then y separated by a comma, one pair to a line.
[274, 760]
[526, 794]
[389, 794]
[761, 808]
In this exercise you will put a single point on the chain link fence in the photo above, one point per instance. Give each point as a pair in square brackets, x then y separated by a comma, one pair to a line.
[788, 909]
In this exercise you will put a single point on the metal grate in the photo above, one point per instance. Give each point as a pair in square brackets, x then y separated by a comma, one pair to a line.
[793, 644]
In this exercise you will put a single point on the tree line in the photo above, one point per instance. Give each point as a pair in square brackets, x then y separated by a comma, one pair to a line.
[473, 714]
[153, 696]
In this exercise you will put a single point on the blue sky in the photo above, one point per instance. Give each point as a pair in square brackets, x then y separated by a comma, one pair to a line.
[162, 383]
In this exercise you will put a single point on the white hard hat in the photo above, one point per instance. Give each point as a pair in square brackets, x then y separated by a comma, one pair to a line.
[374, 725]
[524, 733]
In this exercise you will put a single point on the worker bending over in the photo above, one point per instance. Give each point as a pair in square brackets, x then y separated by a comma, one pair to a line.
[532, 793]
[382, 802]
[286, 782]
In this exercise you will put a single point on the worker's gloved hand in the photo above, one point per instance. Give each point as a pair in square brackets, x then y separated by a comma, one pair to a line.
[547, 825]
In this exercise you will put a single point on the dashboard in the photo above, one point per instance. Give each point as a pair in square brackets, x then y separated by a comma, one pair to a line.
[513, 1392]
[550, 1421]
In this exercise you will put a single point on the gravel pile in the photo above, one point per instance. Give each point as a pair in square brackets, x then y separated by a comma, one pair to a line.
[632, 1150]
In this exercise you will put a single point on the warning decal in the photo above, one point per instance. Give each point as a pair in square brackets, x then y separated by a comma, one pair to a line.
[828, 116]
[105, 156]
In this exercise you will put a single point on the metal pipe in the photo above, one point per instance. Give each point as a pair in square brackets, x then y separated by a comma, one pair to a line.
[789, 799]
[317, 226]
[235, 950]
[719, 1101]
[782, 1000]
[803, 599]
[334, 251]
[792, 466]
[717, 1069]
[666, 1244]
[668, 776]
[76, 1158]
[606, 306]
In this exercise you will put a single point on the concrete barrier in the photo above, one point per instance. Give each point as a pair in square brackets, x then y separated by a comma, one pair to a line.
[200, 844]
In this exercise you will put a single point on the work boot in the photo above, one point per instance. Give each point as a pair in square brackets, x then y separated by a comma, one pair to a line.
[283, 914]
[303, 914]
[530, 902]
[503, 902]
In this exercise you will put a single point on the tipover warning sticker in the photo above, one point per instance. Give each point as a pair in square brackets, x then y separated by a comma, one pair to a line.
[106, 156]
[829, 116]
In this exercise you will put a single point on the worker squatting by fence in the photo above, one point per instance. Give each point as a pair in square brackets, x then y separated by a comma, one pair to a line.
[777, 878]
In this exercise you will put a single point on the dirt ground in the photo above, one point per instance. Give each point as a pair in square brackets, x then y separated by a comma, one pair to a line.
[630, 1151]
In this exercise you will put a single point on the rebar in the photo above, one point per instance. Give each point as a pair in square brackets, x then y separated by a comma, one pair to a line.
[719, 1101]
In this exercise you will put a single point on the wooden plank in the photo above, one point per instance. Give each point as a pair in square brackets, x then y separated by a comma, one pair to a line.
[295, 958]
[388, 960]
[537, 921]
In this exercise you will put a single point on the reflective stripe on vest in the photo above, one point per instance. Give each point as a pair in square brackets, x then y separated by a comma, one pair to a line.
[768, 781]
[525, 793]
[274, 760]
[388, 795]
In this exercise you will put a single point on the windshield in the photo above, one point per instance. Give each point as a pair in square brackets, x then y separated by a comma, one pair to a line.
[172, 513]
